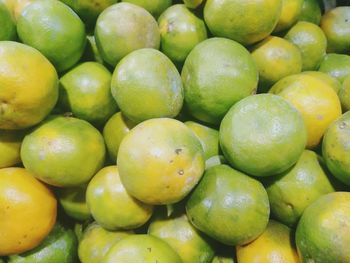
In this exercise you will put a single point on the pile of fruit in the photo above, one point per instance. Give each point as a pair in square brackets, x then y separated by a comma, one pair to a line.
[160, 131]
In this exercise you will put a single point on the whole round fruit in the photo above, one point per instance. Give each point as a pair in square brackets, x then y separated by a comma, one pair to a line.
[164, 155]
[123, 28]
[55, 30]
[336, 65]
[111, 206]
[10, 145]
[28, 211]
[262, 135]
[63, 151]
[336, 148]
[28, 92]
[344, 94]
[96, 242]
[245, 22]
[217, 73]
[147, 85]
[8, 27]
[155, 7]
[324, 230]
[143, 248]
[291, 10]
[229, 206]
[86, 92]
[311, 12]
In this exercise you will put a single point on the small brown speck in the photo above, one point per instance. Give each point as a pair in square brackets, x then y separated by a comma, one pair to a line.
[149, 249]
[178, 151]
[180, 172]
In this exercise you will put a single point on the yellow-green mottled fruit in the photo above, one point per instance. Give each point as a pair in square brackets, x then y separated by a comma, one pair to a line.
[10, 145]
[8, 27]
[311, 12]
[336, 65]
[155, 7]
[344, 94]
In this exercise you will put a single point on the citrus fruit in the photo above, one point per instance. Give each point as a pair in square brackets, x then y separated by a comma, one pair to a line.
[163, 154]
[336, 26]
[245, 22]
[336, 148]
[315, 99]
[331, 81]
[18, 6]
[274, 245]
[311, 41]
[28, 211]
[29, 92]
[114, 131]
[291, 10]
[310, 12]
[73, 202]
[85, 91]
[10, 145]
[276, 58]
[55, 30]
[229, 206]
[91, 52]
[96, 241]
[307, 177]
[123, 28]
[89, 10]
[111, 206]
[344, 94]
[155, 7]
[180, 31]
[324, 230]
[217, 73]
[336, 65]
[262, 135]
[208, 137]
[63, 151]
[143, 248]
[8, 27]
[192, 3]
[215, 160]
[191, 245]
[146, 85]
[60, 246]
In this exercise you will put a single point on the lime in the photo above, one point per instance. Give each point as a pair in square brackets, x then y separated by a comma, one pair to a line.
[336, 65]
[311, 12]
[8, 27]
[155, 7]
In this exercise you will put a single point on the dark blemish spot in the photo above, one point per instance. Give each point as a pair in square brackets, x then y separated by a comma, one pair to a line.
[290, 206]
[171, 161]
[180, 172]
[319, 117]
[7, 207]
[347, 20]
[167, 187]
[342, 125]
[68, 114]
[192, 219]
[25, 236]
[178, 151]
[149, 249]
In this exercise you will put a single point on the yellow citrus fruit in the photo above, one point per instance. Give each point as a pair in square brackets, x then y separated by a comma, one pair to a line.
[29, 92]
[273, 246]
[291, 10]
[28, 211]
[276, 58]
[247, 22]
[344, 94]
[10, 145]
[328, 79]
[317, 102]
[164, 155]
[155, 7]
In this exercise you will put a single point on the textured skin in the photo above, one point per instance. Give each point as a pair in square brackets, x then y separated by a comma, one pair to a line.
[155, 7]
[310, 12]
[336, 65]
[291, 10]
[10, 145]
[229, 206]
[344, 94]
[262, 135]
[111, 206]
[323, 232]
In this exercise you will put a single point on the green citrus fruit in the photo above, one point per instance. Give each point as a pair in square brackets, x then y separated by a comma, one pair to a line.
[60, 246]
[193, 3]
[245, 22]
[142, 248]
[63, 151]
[211, 87]
[310, 12]
[274, 245]
[27, 92]
[311, 41]
[229, 206]
[307, 177]
[96, 242]
[146, 85]
[73, 202]
[10, 145]
[55, 30]
[191, 245]
[323, 233]
[180, 31]
[262, 135]
[114, 131]
[331, 81]
[215, 160]
[8, 27]
[111, 206]
[276, 58]
[85, 91]
[336, 148]
[123, 28]
[344, 94]
[164, 155]
[208, 137]
[336, 65]
[291, 10]
[91, 52]
[155, 7]
[336, 26]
